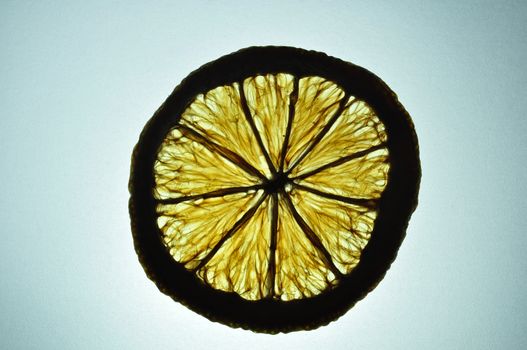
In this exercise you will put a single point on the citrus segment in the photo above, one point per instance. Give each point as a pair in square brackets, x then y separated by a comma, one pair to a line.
[240, 264]
[185, 167]
[191, 229]
[218, 116]
[318, 100]
[343, 228]
[360, 175]
[356, 129]
[301, 269]
[268, 99]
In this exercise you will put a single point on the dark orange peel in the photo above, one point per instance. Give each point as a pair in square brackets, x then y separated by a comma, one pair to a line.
[273, 188]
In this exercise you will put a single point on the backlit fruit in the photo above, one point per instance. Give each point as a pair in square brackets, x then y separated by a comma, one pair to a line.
[273, 188]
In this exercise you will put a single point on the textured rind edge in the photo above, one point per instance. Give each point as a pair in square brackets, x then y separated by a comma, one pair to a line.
[324, 318]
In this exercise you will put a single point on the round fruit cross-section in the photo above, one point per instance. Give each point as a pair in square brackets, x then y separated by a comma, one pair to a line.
[273, 188]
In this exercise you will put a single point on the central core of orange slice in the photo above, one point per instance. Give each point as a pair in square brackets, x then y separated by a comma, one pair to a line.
[277, 183]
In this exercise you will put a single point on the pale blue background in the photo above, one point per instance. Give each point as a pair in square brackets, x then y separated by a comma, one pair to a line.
[79, 81]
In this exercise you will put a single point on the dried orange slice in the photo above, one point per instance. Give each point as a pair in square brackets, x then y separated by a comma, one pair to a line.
[273, 188]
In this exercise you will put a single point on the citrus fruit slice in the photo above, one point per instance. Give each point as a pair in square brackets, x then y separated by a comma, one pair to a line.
[273, 188]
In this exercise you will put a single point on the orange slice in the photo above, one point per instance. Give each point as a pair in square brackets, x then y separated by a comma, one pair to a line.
[273, 188]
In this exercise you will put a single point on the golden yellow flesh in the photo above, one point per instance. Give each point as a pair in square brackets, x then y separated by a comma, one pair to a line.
[268, 101]
[187, 226]
[301, 271]
[218, 219]
[219, 117]
[241, 264]
[185, 167]
[357, 129]
[318, 100]
[363, 177]
[332, 221]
